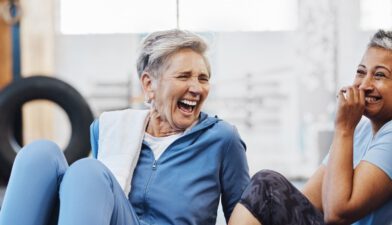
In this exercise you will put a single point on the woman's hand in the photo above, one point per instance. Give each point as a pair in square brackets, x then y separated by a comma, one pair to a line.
[351, 105]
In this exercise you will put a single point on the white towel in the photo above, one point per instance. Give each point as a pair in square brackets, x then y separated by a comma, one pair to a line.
[121, 136]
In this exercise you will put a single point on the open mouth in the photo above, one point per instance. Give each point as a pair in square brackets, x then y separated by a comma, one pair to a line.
[372, 99]
[187, 105]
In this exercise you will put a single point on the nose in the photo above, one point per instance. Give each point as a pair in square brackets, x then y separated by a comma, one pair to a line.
[195, 87]
[365, 83]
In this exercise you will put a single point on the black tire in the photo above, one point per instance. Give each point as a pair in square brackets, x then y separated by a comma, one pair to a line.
[21, 91]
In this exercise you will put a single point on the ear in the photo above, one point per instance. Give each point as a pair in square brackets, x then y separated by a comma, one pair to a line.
[148, 87]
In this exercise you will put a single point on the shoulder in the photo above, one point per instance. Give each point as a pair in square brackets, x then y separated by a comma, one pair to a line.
[228, 134]
[384, 135]
[223, 128]
[386, 129]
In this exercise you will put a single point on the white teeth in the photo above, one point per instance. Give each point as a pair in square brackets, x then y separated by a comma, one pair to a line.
[370, 99]
[188, 102]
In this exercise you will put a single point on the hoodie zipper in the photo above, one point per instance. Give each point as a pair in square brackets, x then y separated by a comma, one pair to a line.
[154, 165]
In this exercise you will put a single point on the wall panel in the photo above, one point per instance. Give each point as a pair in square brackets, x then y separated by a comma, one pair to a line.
[5, 52]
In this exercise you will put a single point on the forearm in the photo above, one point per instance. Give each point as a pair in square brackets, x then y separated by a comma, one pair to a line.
[338, 180]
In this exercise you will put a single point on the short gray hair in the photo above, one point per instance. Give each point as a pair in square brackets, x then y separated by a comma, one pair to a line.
[157, 48]
[382, 39]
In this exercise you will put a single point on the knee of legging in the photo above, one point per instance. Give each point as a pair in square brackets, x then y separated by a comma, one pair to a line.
[42, 152]
[266, 176]
[85, 171]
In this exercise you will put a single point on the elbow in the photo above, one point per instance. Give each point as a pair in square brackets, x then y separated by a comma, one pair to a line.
[334, 218]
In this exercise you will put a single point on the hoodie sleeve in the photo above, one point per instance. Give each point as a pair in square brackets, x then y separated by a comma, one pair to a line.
[94, 137]
[235, 172]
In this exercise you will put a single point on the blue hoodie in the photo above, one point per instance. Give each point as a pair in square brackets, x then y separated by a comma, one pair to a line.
[185, 184]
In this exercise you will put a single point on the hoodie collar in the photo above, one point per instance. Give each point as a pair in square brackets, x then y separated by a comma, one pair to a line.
[205, 121]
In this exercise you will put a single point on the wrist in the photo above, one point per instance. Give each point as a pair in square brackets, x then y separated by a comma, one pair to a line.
[344, 132]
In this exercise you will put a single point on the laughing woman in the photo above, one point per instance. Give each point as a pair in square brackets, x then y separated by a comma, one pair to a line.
[354, 184]
[171, 164]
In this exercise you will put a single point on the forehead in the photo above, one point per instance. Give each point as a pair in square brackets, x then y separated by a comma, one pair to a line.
[375, 56]
[186, 59]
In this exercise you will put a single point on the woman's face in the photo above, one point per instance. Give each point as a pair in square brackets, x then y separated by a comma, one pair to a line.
[182, 88]
[374, 76]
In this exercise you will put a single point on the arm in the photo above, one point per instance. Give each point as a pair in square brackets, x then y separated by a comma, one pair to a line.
[371, 187]
[312, 188]
[234, 173]
[349, 194]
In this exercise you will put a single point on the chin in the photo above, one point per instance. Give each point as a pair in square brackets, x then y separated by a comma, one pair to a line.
[371, 112]
[368, 115]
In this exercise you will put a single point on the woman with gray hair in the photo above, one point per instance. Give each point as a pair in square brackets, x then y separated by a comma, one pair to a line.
[169, 164]
[354, 183]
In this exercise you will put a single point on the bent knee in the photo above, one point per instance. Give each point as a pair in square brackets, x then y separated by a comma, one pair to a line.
[268, 177]
[267, 174]
[84, 170]
[41, 152]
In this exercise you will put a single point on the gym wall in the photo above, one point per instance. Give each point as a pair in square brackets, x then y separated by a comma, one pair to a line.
[41, 119]
[5, 53]
[37, 58]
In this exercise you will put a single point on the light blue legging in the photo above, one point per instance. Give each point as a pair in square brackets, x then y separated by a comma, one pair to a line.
[88, 192]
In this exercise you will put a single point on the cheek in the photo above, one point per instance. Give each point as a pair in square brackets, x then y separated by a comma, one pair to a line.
[389, 100]
[206, 90]
[357, 82]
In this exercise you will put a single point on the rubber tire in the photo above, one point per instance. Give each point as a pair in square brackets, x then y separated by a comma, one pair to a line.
[21, 91]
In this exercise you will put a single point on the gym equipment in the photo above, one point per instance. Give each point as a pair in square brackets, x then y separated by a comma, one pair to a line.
[12, 98]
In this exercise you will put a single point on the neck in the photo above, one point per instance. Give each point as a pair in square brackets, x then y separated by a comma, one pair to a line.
[158, 127]
[377, 123]
[376, 126]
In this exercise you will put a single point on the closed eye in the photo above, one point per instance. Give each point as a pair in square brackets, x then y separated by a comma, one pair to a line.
[183, 76]
[361, 73]
[204, 78]
[379, 75]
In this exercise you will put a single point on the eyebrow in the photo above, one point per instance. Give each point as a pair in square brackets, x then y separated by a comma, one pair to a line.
[383, 67]
[377, 67]
[187, 72]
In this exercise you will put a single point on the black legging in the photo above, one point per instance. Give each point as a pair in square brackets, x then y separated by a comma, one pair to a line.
[273, 200]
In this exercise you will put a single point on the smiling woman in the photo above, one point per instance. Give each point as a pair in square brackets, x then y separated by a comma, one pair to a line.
[374, 76]
[147, 159]
[354, 183]
[179, 93]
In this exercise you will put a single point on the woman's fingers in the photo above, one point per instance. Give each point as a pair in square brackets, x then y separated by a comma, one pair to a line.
[355, 94]
[351, 94]
[350, 107]
[362, 97]
[342, 94]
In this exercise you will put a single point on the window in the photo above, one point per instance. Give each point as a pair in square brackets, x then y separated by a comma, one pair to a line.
[116, 16]
[140, 16]
[235, 15]
[375, 14]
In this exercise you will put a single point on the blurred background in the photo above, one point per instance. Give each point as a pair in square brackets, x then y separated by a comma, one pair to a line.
[277, 64]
